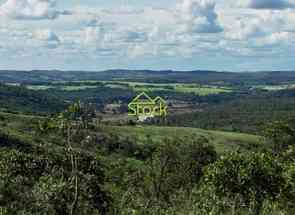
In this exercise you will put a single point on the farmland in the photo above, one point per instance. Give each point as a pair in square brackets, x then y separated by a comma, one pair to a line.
[275, 87]
[196, 89]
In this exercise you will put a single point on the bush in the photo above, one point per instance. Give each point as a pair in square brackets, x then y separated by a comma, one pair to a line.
[45, 184]
[168, 177]
[245, 181]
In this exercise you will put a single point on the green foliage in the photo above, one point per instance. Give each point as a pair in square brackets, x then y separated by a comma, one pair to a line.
[165, 181]
[140, 169]
[281, 135]
[9, 141]
[43, 183]
[20, 99]
[246, 180]
[243, 112]
[222, 141]
[288, 197]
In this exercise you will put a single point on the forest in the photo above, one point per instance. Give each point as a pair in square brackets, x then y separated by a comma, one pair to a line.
[227, 153]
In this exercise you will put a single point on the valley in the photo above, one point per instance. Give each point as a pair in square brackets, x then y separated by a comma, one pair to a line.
[67, 138]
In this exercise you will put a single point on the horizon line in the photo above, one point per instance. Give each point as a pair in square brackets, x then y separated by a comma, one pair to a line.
[143, 70]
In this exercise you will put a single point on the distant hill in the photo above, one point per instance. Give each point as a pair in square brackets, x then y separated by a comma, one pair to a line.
[200, 76]
[20, 99]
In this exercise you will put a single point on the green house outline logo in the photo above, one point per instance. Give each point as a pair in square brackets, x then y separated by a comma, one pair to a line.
[144, 106]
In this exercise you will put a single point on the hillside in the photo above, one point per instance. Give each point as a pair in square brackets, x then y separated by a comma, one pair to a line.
[222, 141]
[199, 76]
[20, 99]
[79, 160]
[58, 162]
[24, 125]
[247, 114]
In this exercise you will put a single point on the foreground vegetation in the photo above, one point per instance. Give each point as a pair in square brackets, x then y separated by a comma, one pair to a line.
[59, 159]
[73, 164]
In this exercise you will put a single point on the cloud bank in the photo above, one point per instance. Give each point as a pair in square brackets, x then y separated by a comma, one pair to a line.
[29, 9]
[188, 34]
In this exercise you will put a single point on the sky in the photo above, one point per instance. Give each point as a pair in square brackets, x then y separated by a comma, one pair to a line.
[95, 35]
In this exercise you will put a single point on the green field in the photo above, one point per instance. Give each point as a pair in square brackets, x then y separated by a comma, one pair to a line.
[197, 89]
[65, 87]
[77, 88]
[223, 141]
[39, 87]
[202, 91]
[275, 87]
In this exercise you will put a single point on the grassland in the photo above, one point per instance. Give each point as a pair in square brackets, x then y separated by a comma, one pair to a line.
[275, 87]
[202, 90]
[222, 141]
[38, 87]
[77, 88]
[65, 87]
[197, 89]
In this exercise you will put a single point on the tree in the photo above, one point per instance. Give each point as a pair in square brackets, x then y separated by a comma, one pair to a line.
[169, 175]
[288, 200]
[281, 134]
[63, 180]
[75, 119]
[246, 179]
[43, 183]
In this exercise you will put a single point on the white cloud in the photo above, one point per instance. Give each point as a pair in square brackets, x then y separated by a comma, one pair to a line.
[199, 16]
[189, 29]
[147, 31]
[93, 35]
[277, 38]
[29, 9]
[139, 50]
[246, 28]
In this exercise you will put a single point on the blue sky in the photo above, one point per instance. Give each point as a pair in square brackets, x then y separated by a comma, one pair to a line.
[223, 35]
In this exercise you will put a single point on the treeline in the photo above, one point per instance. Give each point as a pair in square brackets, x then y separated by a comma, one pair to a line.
[248, 113]
[19, 99]
[100, 96]
[22, 100]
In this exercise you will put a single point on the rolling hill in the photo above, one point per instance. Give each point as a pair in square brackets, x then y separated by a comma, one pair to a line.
[222, 141]
[164, 76]
[23, 126]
